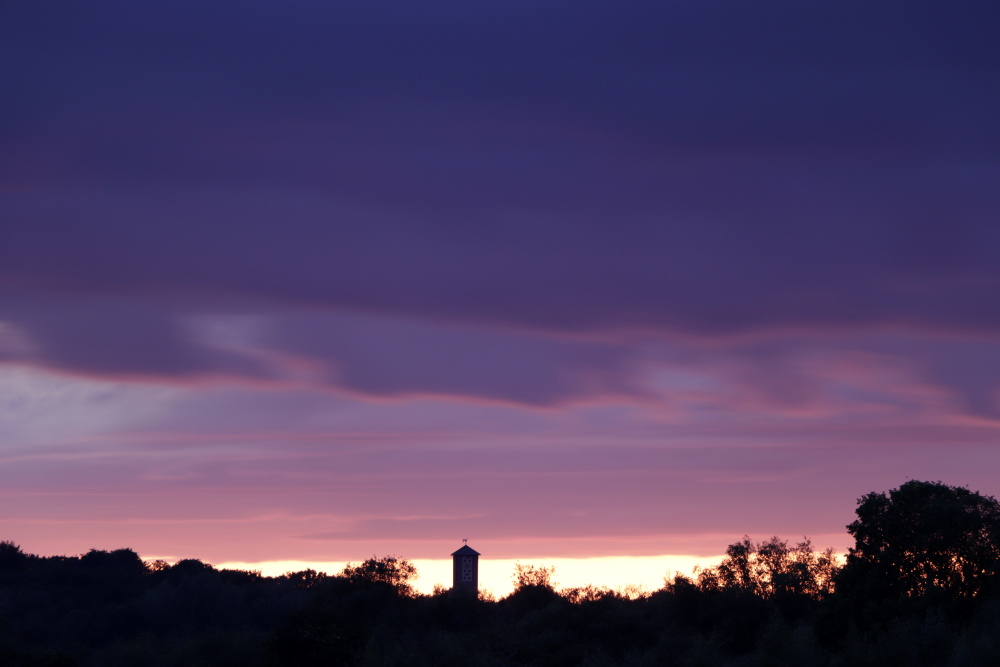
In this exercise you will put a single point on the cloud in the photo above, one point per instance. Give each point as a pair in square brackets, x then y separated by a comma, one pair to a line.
[373, 357]
[703, 169]
[114, 337]
[507, 225]
[721, 250]
[407, 357]
[969, 369]
[792, 373]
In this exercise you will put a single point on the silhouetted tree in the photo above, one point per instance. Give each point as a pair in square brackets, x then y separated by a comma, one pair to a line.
[157, 565]
[118, 562]
[305, 579]
[773, 569]
[540, 576]
[398, 573]
[12, 559]
[534, 588]
[187, 567]
[923, 537]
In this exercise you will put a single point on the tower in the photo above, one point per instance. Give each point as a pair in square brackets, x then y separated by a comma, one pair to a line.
[465, 571]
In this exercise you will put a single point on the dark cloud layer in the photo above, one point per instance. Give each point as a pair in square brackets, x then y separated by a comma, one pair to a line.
[694, 168]
[114, 337]
[399, 358]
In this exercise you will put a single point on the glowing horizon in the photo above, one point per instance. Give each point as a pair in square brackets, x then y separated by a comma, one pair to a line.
[496, 576]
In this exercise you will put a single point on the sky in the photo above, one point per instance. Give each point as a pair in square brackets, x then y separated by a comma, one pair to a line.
[310, 282]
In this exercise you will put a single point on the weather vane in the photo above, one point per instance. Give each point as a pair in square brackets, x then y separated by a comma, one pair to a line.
[465, 540]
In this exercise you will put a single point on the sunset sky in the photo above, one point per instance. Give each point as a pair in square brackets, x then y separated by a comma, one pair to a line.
[311, 281]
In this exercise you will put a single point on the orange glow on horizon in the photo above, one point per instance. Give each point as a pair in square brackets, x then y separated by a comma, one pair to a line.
[496, 575]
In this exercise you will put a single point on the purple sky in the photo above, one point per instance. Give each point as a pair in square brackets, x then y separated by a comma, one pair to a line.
[307, 281]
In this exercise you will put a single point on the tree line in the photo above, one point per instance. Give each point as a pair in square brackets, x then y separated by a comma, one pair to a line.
[919, 587]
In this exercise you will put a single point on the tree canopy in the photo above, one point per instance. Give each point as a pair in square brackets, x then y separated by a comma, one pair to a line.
[392, 571]
[539, 576]
[773, 569]
[924, 537]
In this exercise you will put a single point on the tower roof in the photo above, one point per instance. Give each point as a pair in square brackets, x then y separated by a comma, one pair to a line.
[466, 550]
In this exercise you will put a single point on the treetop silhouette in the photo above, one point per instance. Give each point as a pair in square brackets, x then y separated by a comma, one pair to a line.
[923, 537]
[392, 571]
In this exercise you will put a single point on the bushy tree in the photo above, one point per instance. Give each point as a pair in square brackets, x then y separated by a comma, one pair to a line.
[924, 537]
[12, 558]
[773, 569]
[395, 572]
[534, 588]
[305, 579]
[538, 576]
[119, 561]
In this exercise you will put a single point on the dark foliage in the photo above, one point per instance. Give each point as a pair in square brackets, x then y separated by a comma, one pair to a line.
[923, 539]
[110, 608]
[767, 603]
[396, 573]
[773, 569]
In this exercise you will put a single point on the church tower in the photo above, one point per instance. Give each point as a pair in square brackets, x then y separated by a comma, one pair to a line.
[465, 572]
